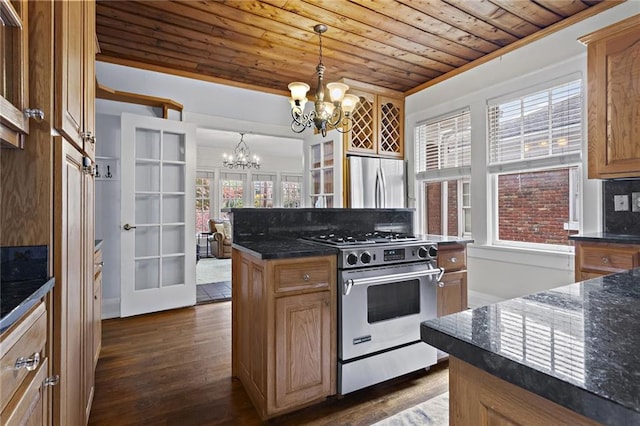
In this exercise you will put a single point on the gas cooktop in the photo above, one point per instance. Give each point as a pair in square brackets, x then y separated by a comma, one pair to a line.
[360, 238]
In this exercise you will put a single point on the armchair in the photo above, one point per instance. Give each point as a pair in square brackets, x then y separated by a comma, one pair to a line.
[220, 238]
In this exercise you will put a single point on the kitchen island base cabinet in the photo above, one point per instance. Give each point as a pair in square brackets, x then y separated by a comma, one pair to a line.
[284, 331]
[452, 289]
[478, 398]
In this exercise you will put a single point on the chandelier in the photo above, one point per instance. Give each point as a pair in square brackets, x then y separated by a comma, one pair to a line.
[336, 114]
[241, 157]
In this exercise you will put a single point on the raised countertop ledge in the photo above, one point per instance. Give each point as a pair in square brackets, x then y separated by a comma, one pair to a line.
[283, 248]
[605, 237]
[20, 296]
[580, 340]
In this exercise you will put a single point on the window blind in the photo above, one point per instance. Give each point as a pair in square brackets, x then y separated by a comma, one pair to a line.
[291, 178]
[540, 125]
[444, 143]
[263, 177]
[232, 176]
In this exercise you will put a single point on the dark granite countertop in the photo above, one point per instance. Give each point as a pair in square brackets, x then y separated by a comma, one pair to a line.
[444, 239]
[576, 345]
[98, 245]
[274, 248]
[606, 237]
[17, 297]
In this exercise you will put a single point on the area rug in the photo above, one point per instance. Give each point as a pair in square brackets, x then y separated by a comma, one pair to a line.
[212, 270]
[434, 412]
[213, 292]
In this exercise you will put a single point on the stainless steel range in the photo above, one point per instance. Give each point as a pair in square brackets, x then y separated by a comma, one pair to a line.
[387, 287]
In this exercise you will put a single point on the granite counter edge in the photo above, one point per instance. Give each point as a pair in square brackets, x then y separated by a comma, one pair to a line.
[18, 312]
[554, 389]
[306, 251]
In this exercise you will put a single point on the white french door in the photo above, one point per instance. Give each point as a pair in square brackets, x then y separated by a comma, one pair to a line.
[157, 215]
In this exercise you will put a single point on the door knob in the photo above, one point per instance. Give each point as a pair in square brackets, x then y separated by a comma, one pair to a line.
[128, 227]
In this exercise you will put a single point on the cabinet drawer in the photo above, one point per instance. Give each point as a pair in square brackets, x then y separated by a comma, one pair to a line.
[310, 274]
[27, 338]
[452, 260]
[608, 259]
[30, 406]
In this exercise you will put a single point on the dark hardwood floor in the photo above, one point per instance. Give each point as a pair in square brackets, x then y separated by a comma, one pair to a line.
[174, 368]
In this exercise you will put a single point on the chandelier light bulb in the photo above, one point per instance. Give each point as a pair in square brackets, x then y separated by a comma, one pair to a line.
[240, 157]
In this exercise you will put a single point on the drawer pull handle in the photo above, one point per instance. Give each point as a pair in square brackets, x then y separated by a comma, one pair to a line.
[453, 259]
[30, 363]
[605, 260]
[306, 277]
[440, 284]
[100, 265]
[52, 381]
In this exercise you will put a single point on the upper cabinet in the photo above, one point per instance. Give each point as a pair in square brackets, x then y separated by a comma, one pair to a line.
[14, 73]
[377, 124]
[613, 73]
[75, 73]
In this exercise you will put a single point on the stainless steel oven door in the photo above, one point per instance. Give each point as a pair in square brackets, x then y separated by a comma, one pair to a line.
[381, 308]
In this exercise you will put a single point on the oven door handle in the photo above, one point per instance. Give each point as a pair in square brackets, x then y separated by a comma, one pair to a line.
[348, 284]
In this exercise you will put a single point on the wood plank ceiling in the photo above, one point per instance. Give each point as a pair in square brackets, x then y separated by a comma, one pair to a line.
[402, 45]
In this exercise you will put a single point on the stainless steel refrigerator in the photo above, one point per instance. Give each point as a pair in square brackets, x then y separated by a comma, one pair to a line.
[377, 182]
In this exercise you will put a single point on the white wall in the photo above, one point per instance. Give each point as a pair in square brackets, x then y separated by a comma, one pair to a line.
[499, 272]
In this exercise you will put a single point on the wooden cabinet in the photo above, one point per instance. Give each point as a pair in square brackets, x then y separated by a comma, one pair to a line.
[14, 72]
[284, 330]
[97, 306]
[452, 290]
[594, 259]
[477, 398]
[377, 125]
[75, 73]
[73, 298]
[24, 366]
[614, 100]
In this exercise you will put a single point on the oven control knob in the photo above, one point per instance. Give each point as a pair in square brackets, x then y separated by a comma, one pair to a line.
[424, 253]
[352, 258]
[365, 257]
[433, 252]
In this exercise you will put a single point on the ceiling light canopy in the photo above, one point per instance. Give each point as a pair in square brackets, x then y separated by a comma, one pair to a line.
[241, 157]
[336, 114]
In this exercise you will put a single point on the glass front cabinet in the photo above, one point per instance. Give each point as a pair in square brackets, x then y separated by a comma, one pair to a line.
[323, 185]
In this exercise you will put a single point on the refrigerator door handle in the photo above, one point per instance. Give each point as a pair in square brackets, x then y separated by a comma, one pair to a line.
[377, 189]
[383, 191]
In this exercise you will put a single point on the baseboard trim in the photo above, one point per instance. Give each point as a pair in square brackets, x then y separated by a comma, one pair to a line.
[110, 308]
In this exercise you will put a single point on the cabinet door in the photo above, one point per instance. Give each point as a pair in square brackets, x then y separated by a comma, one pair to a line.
[89, 55]
[97, 313]
[69, 54]
[88, 202]
[614, 103]
[69, 271]
[363, 135]
[14, 72]
[302, 348]
[390, 127]
[452, 293]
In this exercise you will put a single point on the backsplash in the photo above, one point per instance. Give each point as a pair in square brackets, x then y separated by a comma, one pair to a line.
[23, 263]
[255, 224]
[619, 203]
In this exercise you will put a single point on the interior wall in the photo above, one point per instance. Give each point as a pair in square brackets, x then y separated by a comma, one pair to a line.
[501, 272]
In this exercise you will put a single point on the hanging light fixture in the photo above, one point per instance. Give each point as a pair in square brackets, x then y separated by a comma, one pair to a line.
[241, 157]
[336, 114]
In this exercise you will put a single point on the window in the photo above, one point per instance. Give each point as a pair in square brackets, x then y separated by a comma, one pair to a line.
[203, 201]
[443, 165]
[263, 190]
[322, 167]
[535, 143]
[291, 187]
[232, 186]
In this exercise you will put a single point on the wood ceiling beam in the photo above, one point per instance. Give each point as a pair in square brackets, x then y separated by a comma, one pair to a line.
[104, 92]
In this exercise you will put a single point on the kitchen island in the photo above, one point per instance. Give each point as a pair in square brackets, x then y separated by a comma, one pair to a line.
[568, 354]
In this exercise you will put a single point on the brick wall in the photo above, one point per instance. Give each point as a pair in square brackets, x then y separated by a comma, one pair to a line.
[434, 208]
[534, 206]
[452, 207]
